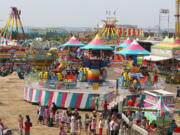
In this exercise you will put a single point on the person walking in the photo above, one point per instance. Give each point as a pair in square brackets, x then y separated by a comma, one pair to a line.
[62, 132]
[172, 126]
[20, 121]
[96, 102]
[27, 125]
[86, 122]
[101, 123]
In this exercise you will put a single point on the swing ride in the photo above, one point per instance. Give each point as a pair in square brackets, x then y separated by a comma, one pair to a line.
[13, 45]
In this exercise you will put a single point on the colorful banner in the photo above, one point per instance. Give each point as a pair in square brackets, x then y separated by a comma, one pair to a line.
[62, 99]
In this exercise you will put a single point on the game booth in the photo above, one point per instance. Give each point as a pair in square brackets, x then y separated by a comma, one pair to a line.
[165, 55]
[161, 101]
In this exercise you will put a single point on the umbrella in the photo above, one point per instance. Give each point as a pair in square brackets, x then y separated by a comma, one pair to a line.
[73, 42]
[97, 44]
[137, 75]
[133, 49]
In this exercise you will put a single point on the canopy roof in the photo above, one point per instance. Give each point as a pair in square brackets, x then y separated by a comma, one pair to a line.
[73, 42]
[167, 43]
[133, 49]
[97, 44]
[155, 58]
[125, 44]
[161, 106]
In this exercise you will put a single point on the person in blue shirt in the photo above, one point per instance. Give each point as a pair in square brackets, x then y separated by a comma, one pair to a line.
[172, 126]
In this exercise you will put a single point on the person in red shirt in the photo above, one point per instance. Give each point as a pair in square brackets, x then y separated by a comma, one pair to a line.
[27, 125]
[105, 109]
[155, 78]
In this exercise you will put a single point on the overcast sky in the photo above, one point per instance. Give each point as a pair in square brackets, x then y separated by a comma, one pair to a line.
[143, 13]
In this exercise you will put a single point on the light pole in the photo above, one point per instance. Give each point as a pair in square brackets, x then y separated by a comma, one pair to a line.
[162, 13]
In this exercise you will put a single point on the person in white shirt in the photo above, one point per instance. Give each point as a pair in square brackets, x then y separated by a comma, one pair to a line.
[101, 123]
[107, 126]
[72, 124]
[112, 127]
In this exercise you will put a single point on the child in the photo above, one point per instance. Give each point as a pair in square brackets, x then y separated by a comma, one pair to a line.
[107, 125]
[60, 117]
[68, 113]
[57, 119]
[51, 119]
[27, 125]
[93, 126]
[63, 119]
[46, 116]
[86, 122]
[41, 112]
[100, 126]
[62, 132]
[79, 125]
[20, 120]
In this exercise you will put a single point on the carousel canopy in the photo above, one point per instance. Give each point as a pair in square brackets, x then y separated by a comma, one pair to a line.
[161, 106]
[125, 44]
[167, 43]
[133, 49]
[73, 42]
[97, 44]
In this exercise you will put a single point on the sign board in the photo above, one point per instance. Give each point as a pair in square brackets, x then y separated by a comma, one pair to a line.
[176, 53]
[95, 86]
[162, 52]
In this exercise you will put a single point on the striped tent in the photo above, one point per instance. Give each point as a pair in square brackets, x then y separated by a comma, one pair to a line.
[73, 42]
[97, 44]
[160, 107]
[134, 49]
[125, 44]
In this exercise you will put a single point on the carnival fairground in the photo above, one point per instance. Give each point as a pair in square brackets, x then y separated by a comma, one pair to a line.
[120, 81]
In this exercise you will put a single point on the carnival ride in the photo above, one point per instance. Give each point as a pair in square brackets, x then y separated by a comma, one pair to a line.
[41, 58]
[109, 32]
[94, 67]
[13, 46]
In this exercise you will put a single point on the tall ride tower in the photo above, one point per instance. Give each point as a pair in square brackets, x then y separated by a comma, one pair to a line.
[177, 16]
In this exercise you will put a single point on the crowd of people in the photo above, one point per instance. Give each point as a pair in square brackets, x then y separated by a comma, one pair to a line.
[96, 123]
[72, 122]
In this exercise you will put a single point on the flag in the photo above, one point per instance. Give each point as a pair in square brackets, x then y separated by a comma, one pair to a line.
[129, 32]
[138, 32]
[142, 32]
[124, 32]
[134, 32]
[120, 31]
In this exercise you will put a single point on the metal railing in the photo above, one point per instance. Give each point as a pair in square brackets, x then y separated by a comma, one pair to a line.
[33, 81]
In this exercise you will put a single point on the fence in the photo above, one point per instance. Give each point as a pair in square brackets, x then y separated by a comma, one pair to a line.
[135, 129]
[104, 88]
